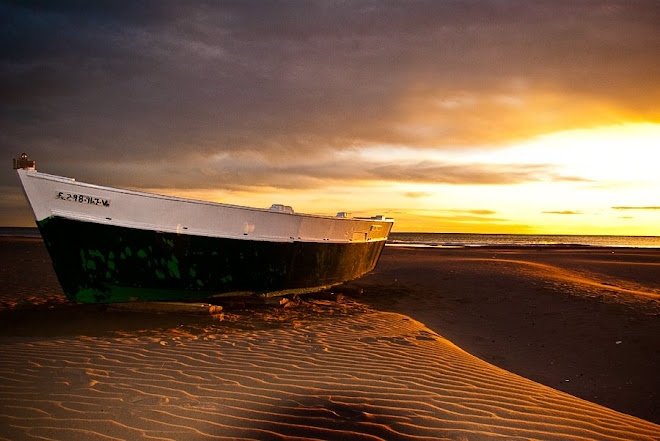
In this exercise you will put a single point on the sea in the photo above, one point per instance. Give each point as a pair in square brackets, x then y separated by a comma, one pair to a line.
[449, 240]
[19, 232]
[519, 240]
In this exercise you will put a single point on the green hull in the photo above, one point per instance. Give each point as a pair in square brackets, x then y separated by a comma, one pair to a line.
[98, 263]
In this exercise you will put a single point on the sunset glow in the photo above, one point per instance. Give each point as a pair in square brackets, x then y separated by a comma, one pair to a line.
[512, 117]
[593, 181]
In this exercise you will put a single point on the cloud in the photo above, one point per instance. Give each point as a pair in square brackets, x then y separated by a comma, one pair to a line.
[467, 174]
[570, 212]
[463, 216]
[636, 208]
[480, 212]
[245, 171]
[417, 194]
[152, 94]
[282, 78]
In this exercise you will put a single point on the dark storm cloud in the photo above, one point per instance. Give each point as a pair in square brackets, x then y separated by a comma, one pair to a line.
[106, 90]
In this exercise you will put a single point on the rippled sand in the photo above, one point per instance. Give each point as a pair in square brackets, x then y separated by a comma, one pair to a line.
[363, 375]
[322, 369]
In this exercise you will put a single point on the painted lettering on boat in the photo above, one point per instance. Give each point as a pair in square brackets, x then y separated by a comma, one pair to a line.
[82, 199]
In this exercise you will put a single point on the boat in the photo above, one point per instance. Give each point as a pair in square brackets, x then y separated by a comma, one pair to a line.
[111, 245]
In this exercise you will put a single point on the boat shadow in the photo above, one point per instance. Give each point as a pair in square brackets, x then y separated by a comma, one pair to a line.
[227, 315]
[91, 320]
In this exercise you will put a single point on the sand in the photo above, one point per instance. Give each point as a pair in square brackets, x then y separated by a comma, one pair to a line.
[359, 367]
[584, 321]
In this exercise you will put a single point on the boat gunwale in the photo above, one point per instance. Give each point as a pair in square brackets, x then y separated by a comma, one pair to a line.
[71, 215]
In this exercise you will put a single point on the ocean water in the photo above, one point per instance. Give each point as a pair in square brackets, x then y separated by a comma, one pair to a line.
[19, 232]
[519, 240]
[468, 240]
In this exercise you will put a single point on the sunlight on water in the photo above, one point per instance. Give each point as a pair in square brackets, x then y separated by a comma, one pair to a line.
[473, 240]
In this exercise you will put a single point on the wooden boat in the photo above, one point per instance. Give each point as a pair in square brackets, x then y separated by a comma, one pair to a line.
[116, 245]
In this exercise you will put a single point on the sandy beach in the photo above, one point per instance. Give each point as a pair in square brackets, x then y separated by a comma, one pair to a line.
[443, 344]
[581, 320]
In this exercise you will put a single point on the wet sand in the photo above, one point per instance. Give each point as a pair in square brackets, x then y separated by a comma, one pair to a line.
[383, 364]
[584, 321]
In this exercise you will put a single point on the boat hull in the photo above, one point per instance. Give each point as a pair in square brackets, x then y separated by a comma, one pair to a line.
[98, 263]
[117, 245]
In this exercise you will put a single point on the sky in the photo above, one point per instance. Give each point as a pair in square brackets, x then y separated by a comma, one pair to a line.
[531, 117]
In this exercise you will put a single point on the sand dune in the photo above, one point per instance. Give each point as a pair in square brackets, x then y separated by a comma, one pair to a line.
[350, 374]
[572, 319]
[580, 278]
